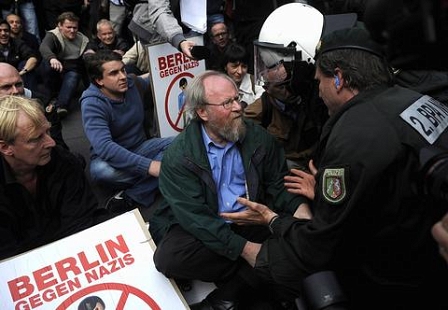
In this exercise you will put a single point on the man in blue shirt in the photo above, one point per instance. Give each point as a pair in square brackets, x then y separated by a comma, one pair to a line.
[216, 159]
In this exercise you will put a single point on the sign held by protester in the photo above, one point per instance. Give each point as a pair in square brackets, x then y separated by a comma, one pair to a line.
[170, 72]
[109, 264]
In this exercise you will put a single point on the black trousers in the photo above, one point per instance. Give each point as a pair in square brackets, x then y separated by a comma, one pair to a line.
[180, 255]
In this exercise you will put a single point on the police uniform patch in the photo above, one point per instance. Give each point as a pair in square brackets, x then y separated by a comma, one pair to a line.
[333, 185]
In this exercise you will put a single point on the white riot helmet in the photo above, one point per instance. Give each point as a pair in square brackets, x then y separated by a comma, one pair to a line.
[290, 34]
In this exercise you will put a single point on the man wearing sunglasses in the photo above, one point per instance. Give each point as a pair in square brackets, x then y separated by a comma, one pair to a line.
[216, 159]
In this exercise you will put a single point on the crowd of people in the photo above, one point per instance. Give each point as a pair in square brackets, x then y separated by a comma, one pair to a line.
[48, 42]
[301, 154]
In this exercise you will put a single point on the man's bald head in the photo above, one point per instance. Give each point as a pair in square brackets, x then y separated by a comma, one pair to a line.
[11, 82]
[7, 70]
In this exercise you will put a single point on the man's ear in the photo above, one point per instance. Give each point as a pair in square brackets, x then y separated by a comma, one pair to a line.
[5, 148]
[99, 82]
[202, 113]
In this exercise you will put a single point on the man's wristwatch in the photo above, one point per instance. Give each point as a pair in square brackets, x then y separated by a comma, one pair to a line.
[271, 222]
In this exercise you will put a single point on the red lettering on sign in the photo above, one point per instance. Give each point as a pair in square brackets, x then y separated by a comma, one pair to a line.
[172, 60]
[20, 287]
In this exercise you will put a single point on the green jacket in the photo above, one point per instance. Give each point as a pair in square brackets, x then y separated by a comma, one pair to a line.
[189, 191]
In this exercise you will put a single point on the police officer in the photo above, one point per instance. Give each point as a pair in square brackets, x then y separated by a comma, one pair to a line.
[370, 223]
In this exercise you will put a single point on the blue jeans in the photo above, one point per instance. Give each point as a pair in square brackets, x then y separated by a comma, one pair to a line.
[140, 188]
[61, 85]
[70, 82]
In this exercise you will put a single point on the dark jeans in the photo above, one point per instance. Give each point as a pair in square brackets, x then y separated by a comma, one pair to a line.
[141, 189]
[61, 85]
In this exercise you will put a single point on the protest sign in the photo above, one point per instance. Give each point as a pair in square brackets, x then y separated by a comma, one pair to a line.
[170, 72]
[110, 263]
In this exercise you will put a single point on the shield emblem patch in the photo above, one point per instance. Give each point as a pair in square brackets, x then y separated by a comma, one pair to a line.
[333, 185]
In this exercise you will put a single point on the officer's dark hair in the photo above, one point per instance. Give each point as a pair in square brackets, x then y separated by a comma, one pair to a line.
[360, 69]
[89, 303]
[94, 63]
[235, 53]
[361, 60]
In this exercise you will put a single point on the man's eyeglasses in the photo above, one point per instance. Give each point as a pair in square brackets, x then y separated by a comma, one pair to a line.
[221, 34]
[227, 104]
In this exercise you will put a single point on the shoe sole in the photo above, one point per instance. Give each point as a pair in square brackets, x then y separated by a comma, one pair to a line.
[62, 113]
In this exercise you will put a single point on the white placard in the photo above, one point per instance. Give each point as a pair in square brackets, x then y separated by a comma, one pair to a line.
[168, 67]
[112, 261]
[193, 14]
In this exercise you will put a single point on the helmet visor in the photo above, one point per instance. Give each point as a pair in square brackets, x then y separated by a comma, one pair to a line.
[269, 62]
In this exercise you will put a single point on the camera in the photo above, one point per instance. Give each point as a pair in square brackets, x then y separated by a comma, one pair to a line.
[322, 291]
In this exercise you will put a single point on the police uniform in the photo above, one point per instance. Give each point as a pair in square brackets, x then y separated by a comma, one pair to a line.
[371, 224]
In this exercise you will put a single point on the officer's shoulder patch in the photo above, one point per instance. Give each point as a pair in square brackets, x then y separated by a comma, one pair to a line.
[334, 187]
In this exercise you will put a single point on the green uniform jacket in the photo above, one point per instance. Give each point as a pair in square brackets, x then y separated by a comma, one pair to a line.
[190, 194]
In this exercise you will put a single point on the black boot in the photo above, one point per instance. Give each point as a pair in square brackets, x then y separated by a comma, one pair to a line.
[213, 302]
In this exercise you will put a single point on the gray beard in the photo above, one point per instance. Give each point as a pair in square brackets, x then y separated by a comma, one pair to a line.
[232, 133]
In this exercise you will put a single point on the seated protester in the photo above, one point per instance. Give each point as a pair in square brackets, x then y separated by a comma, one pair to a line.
[62, 49]
[219, 39]
[136, 59]
[122, 156]
[27, 10]
[106, 38]
[44, 193]
[217, 158]
[234, 63]
[295, 124]
[295, 118]
[11, 83]
[17, 31]
[18, 54]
